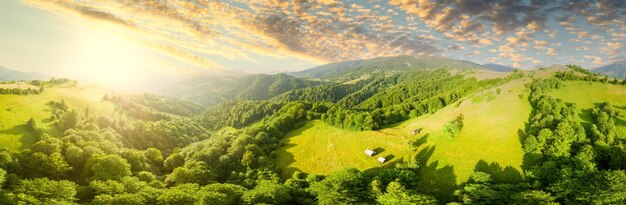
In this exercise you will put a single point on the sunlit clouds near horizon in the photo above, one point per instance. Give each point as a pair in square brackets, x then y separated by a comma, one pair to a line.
[230, 37]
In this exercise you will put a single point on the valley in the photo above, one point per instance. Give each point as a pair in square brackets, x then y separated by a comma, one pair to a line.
[306, 130]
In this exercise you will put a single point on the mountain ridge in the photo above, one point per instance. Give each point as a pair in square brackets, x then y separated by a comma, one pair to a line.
[390, 63]
[616, 69]
[7, 74]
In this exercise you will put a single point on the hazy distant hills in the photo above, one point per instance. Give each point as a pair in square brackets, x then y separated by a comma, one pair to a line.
[616, 70]
[395, 63]
[498, 67]
[212, 90]
[8, 74]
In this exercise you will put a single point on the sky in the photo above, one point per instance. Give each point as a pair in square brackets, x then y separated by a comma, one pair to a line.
[132, 43]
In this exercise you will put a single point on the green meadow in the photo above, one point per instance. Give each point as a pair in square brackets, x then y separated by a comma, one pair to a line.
[321, 149]
[15, 110]
[490, 137]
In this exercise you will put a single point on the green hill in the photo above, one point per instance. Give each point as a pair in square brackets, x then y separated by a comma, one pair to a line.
[491, 135]
[491, 139]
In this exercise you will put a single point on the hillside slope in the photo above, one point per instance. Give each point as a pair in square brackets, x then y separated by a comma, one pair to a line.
[491, 135]
[213, 90]
[498, 67]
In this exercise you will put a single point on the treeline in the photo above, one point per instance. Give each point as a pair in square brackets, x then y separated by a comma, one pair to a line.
[30, 90]
[58, 81]
[20, 91]
[581, 74]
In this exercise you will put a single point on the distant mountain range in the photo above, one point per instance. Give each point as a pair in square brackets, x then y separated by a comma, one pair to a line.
[8, 74]
[616, 70]
[212, 90]
[498, 67]
[395, 63]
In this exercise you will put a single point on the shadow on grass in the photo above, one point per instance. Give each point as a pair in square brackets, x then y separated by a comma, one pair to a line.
[378, 151]
[285, 159]
[499, 174]
[389, 157]
[431, 179]
[419, 142]
[434, 180]
[26, 137]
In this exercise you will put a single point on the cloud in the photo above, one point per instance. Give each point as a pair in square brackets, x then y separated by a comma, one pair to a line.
[597, 61]
[552, 52]
[84, 11]
[334, 30]
[613, 48]
[474, 53]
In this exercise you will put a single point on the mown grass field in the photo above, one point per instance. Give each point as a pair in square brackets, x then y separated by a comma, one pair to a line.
[321, 149]
[15, 110]
[490, 134]
[587, 94]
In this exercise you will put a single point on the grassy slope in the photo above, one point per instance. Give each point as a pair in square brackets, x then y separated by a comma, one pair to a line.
[586, 94]
[490, 134]
[15, 110]
[321, 149]
[490, 131]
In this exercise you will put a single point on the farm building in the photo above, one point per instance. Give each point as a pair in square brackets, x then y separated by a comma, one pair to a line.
[381, 159]
[416, 131]
[370, 152]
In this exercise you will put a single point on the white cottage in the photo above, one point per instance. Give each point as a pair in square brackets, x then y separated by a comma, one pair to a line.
[381, 159]
[370, 152]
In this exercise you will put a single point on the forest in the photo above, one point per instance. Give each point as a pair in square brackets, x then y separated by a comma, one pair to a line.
[158, 150]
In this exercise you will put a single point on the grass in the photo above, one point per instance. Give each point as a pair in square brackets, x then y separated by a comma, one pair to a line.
[490, 134]
[321, 149]
[490, 131]
[490, 137]
[15, 110]
[587, 94]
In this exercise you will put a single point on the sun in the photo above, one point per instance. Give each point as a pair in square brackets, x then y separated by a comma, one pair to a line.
[107, 57]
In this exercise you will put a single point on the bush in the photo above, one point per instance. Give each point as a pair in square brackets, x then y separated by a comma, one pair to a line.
[454, 127]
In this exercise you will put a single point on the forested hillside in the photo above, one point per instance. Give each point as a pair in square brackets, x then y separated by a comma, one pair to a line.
[238, 146]
[385, 64]
[213, 90]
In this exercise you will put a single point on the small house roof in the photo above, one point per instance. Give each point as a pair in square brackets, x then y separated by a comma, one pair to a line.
[369, 152]
[381, 159]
